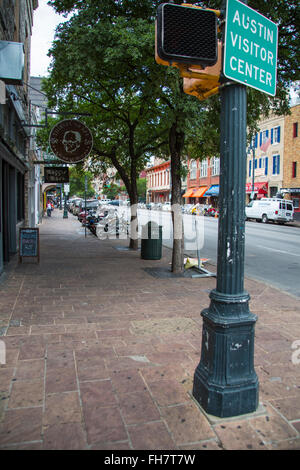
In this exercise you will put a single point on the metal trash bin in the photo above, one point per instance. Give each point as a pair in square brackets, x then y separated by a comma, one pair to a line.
[151, 243]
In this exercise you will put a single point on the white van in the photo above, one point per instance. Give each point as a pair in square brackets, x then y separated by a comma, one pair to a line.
[275, 209]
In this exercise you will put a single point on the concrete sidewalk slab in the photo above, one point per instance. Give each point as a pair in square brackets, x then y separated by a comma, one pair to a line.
[100, 354]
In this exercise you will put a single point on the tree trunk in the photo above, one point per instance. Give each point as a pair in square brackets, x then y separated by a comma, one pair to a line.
[133, 197]
[131, 186]
[176, 142]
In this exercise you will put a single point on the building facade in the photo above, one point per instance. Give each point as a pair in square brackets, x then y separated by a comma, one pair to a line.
[17, 178]
[203, 181]
[265, 159]
[158, 183]
[291, 170]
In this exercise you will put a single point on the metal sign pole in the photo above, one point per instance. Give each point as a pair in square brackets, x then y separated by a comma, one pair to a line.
[225, 382]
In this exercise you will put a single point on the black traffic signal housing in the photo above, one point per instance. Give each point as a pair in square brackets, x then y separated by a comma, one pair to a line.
[186, 35]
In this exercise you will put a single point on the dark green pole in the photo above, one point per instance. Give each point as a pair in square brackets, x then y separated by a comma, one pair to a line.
[65, 216]
[225, 382]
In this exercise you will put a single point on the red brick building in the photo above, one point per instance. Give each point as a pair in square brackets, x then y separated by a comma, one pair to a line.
[158, 183]
[203, 181]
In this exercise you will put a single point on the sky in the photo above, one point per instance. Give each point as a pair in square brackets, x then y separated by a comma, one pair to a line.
[45, 21]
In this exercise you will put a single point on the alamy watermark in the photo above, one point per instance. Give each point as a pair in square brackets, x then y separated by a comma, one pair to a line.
[117, 224]
[296, 353]
[2, 352]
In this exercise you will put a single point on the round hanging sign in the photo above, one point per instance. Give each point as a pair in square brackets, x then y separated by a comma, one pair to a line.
[71, 140]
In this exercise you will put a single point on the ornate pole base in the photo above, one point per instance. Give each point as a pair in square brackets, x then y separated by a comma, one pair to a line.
[225, 382]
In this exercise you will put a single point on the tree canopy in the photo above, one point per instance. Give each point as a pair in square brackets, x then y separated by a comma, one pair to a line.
[103, 63]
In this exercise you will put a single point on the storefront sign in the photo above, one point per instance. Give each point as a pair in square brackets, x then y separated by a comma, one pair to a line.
[12, 62]
[71, 141]
[290, 190]
[261, 187]
[56, 174]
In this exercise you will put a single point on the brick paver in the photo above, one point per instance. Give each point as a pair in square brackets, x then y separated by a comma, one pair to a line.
[101, 355]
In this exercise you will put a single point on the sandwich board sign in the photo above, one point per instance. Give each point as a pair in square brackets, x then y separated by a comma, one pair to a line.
[250, 50]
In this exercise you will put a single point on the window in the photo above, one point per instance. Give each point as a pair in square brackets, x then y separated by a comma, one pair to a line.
[264, 135]
[263, 164]
[203, 168]
[296, 203]
[275, 135]
[215, 166]
[294, 170]
[276, 164]
[295, 129]
[193, 170]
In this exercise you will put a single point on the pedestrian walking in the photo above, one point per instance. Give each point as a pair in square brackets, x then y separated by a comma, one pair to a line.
[49, 209]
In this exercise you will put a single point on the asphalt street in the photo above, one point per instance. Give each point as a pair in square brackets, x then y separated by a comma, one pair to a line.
[272, 252]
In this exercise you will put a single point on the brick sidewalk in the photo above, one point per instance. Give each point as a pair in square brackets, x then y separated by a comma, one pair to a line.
[101, 355]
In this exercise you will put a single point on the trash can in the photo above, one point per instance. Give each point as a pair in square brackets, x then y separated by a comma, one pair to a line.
[151, 243]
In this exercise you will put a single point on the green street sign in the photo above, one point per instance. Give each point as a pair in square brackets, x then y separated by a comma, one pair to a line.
[250, 49]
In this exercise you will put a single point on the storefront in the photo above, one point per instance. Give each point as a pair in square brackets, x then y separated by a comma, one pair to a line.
[293, 194]
[12, 203]
[195, 195]
[213, 195]
[260, 190]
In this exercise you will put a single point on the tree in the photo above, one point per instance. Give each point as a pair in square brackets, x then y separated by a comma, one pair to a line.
[77, 182]
[111, 82]
[131, 97]
[111, 191]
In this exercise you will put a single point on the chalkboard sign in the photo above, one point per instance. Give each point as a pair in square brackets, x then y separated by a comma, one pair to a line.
[29, 245]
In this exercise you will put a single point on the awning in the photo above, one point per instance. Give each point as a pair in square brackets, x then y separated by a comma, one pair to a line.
[189, 193]
[213, 191]
[199, 191]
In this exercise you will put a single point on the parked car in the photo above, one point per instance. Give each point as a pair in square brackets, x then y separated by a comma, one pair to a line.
[72, 204]
[75, 209]
[274, 209]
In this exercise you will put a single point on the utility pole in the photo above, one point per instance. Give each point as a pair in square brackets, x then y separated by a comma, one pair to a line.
[225, 382]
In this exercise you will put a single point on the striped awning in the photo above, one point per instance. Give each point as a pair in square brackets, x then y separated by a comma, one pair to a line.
[199, 191]
[189, 193]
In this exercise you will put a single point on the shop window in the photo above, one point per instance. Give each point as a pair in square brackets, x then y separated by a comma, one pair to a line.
[296, 203]
[273, 191]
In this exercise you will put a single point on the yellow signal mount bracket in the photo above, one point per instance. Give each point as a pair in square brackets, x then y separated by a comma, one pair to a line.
[204, 82]
[217, 12]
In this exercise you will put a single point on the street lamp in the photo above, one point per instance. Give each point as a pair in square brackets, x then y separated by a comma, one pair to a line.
[66, 192]
[252, 148]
